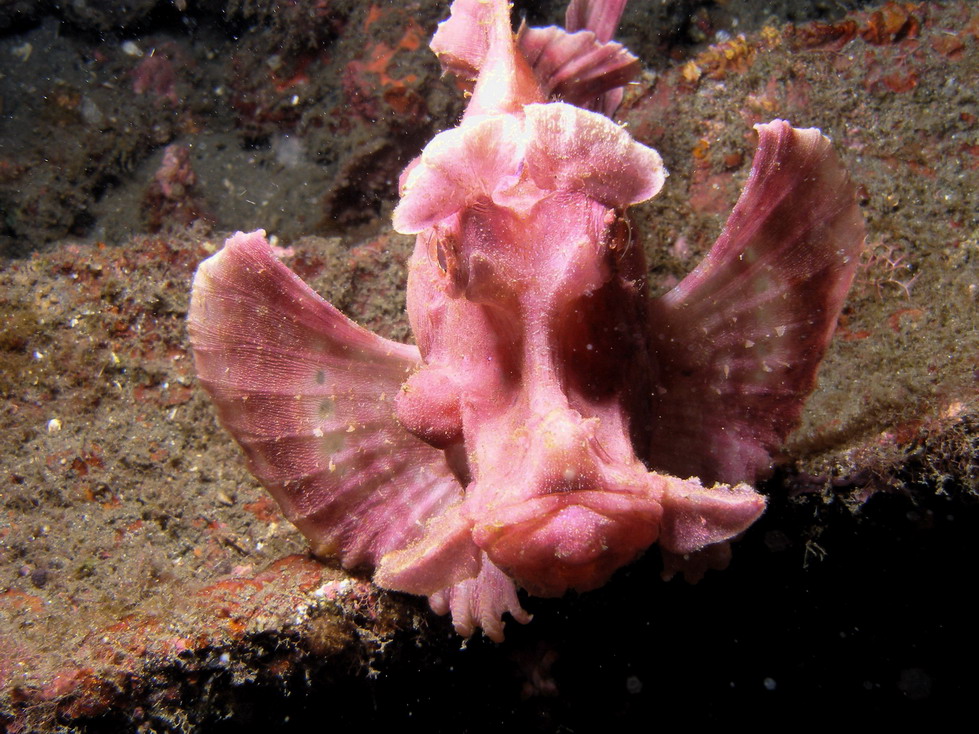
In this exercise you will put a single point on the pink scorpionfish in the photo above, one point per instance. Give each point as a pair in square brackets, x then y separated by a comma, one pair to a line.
[552, 422]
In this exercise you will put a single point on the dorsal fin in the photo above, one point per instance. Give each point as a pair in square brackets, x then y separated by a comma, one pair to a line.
[477, 44]
[505, 82]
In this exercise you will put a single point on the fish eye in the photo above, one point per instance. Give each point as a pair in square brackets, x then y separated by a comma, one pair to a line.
[619, 234]
[441, 250]
[442, 245]
[440, 258]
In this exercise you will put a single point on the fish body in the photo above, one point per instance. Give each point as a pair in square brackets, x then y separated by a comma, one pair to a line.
[553, 422]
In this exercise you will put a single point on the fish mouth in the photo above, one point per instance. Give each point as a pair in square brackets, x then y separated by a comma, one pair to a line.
[575, 540]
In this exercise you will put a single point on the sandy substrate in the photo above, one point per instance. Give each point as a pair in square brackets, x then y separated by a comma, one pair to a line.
[148, 583]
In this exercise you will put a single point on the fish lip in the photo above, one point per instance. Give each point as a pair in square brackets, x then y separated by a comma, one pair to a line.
[613, 504]
[572, 540]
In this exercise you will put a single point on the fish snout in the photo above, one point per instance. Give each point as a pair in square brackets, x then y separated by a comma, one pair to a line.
[564, 453]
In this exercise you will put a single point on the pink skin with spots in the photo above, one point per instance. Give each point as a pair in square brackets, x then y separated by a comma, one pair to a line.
[552, 423]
